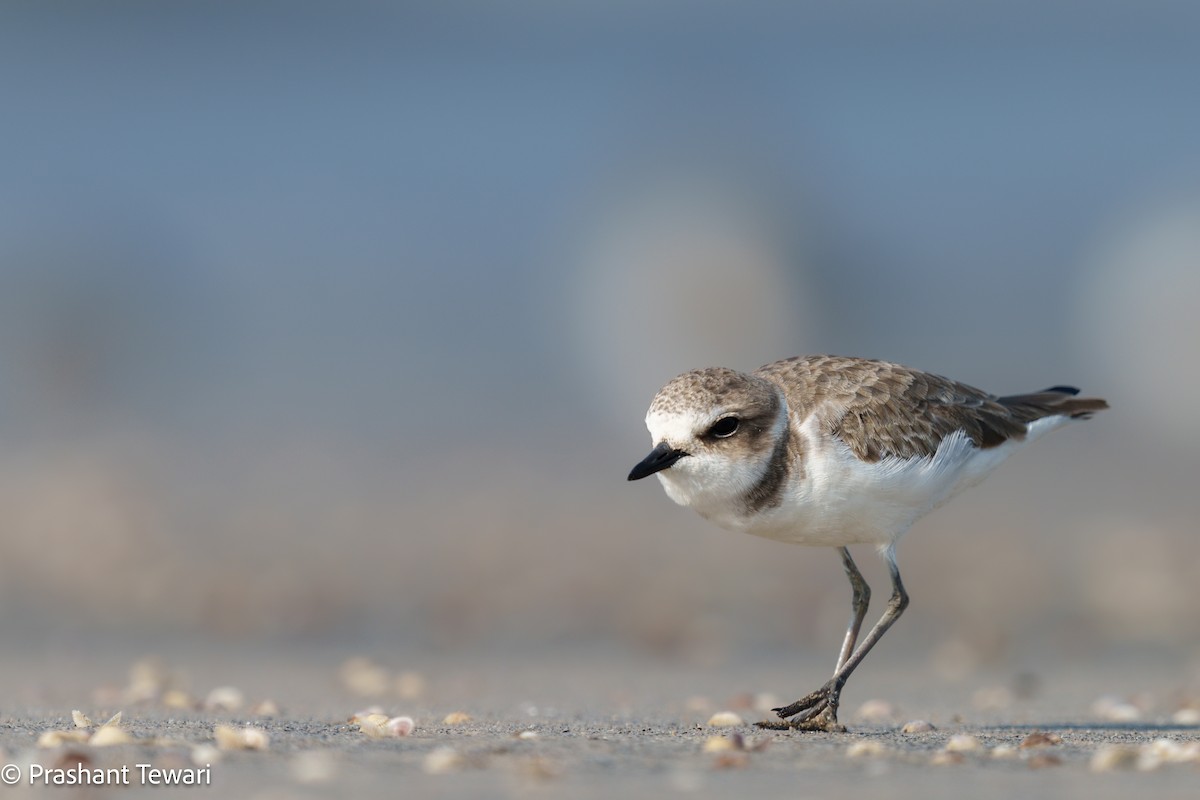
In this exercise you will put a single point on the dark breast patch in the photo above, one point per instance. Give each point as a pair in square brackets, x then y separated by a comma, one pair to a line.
[785, 458]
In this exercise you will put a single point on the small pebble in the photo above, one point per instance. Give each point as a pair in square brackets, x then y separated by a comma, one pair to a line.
[373, 726]
[1191, 752]
[442, 760]
[228, 737]
[81, 720]
[1004, 751]
[1040, 739]
[400, 726]
[539, 768]
[718, 744]
[177, 698]
[1110, 757]
[109, 735]
[753, 745]
[963, 743]
[51, 739]
[1148, 759]
[724, 719]
[1174, 752]
[369, 711]
[456, 718]
[866, 748]
[224, 698]
[1116, 709]
[203, 754]
[255, 738]
[1043, 760]
[918, 726]
[944, 758]
[527, 735]
[1186, 716]
[265, 708]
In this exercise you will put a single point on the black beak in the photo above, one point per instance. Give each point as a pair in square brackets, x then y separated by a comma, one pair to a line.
[659, 459]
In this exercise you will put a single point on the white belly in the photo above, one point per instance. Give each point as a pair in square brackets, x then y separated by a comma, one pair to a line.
[840, 500]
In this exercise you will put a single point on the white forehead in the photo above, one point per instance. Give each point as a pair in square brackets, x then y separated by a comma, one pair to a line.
[690, 403]
[679, 426]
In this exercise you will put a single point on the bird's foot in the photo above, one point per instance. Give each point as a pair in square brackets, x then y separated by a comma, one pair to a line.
[822, 717]
[813, 712]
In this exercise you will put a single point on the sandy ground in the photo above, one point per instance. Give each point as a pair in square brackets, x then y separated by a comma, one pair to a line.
[597, 722]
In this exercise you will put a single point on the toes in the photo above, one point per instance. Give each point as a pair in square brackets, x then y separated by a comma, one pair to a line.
[818, 725]
[814, 700]
[773, 725]
[821, 718]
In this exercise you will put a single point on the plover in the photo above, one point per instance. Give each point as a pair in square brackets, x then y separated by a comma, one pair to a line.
[834, 451]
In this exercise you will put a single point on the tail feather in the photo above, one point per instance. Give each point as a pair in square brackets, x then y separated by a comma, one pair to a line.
[1055, 401]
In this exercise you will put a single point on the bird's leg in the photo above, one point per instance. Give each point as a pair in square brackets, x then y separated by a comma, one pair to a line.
[820, 708]
[858, 605]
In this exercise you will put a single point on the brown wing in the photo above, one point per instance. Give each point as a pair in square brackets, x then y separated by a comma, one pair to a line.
[881, 409]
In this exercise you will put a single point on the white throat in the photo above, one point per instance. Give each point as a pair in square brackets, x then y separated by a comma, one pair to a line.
[713, 480]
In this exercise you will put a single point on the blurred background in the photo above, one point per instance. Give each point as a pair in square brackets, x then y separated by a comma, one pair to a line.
[338, 322]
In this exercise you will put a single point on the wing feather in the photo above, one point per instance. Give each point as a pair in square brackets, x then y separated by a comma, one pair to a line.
[881, 410]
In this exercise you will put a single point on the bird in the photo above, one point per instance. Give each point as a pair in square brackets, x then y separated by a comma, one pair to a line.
[836, 451]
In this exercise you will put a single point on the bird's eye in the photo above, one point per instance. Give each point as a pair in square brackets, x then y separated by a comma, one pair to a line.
[724, 427]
